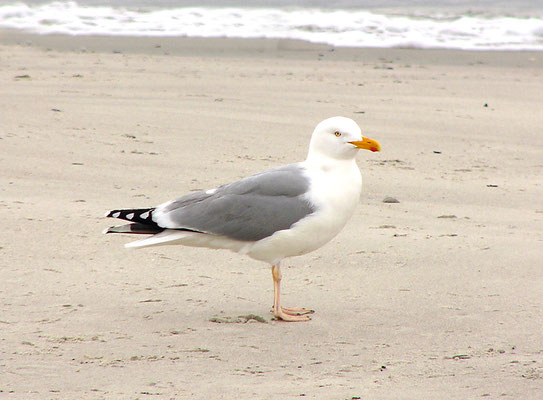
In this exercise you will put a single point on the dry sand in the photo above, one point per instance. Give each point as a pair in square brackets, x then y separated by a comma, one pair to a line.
[436, 297]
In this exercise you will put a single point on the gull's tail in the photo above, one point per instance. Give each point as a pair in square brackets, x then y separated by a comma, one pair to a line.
[142, 223]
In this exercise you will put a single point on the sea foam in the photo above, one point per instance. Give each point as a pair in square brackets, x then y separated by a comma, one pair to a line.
[349, 28]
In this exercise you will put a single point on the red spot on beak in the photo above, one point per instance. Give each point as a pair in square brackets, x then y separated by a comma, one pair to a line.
[374, 149]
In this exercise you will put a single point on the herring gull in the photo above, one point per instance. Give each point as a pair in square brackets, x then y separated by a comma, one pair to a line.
[282, 212]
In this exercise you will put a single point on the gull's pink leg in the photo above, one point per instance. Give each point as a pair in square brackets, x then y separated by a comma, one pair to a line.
[284, 313]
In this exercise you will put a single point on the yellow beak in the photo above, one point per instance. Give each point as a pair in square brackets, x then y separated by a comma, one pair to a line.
[367, 144]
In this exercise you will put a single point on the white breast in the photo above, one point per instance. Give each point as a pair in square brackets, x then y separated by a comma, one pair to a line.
[335, 192]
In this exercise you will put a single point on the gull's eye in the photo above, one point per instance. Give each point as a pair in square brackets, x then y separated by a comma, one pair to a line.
[338, 134]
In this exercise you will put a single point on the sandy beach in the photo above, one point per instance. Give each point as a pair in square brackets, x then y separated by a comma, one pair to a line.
[438, 296]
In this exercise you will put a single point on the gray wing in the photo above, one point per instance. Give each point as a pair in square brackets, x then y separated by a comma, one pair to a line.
[250, 209]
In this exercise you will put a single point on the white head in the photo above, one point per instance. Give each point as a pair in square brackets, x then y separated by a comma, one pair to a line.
[339, 138]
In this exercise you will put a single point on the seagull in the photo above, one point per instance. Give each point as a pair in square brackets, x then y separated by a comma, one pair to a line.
[282, 212]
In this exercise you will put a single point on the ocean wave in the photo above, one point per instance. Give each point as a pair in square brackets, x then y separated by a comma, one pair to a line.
[341, 28]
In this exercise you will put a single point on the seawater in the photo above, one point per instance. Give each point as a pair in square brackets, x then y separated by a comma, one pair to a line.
[475, 25]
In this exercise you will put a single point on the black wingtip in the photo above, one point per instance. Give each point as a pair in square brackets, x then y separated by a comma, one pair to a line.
[135, 228]
[142, 216]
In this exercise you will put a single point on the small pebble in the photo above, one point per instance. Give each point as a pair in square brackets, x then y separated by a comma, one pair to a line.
[390, 200]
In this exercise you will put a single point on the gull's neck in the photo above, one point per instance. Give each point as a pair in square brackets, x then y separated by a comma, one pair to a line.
[318, 161]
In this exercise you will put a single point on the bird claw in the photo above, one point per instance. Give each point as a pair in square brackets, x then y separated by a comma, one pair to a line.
[297, 311]
[292, 314]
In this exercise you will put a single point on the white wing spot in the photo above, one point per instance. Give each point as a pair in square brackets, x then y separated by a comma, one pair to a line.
[116, 215]
[145, 215]
[211, 191]
[130, 216]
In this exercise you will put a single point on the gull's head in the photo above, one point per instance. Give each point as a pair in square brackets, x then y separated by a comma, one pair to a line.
[339, 138]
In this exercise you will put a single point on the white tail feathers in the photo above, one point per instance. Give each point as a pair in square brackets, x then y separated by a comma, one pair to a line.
[166, 237]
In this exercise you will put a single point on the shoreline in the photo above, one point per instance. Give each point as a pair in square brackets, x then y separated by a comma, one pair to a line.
[262, 48]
